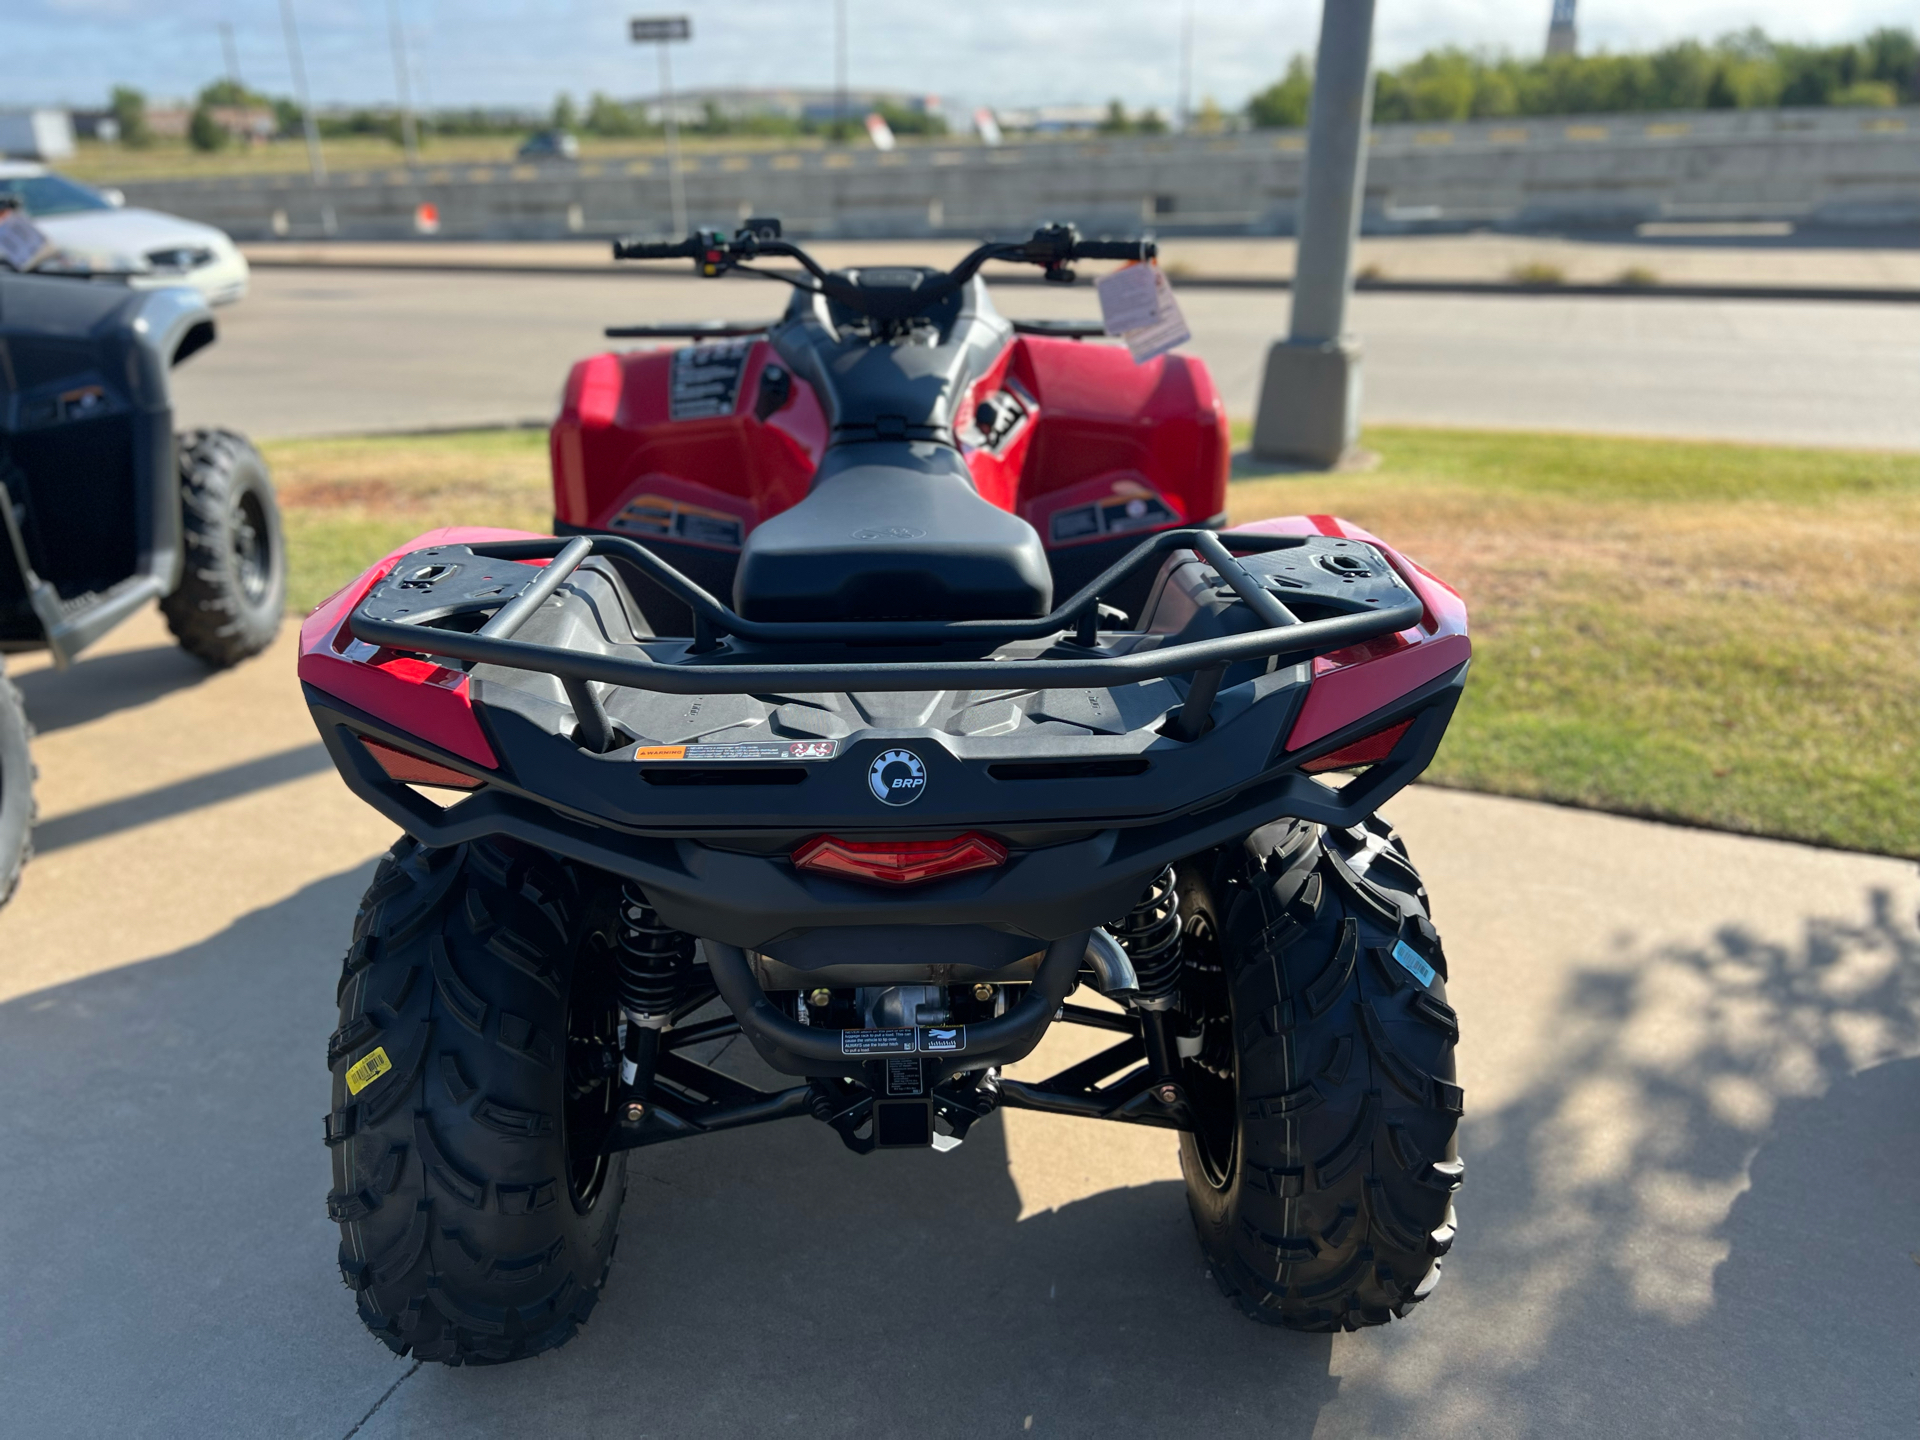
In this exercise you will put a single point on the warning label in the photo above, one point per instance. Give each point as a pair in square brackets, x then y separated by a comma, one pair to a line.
[903, 1076]
[897, 1041]
[936, 1039]
[757, 750]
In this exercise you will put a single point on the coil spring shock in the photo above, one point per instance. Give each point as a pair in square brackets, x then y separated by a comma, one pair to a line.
[1150, 934]
[653, 958]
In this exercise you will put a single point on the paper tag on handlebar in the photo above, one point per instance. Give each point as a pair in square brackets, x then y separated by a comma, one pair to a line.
[1137, 304]
[21, 241]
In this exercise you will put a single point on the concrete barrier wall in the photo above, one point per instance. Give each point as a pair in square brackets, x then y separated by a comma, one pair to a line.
[1822, 167]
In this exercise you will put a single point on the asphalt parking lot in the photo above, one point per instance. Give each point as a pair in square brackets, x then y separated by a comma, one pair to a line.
[1691, 1061]
[316, 351]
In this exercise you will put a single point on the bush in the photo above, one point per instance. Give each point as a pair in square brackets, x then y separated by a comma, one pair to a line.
[129, 109]
[204, 132]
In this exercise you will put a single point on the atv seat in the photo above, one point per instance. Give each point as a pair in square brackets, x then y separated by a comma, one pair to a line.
[893, 531]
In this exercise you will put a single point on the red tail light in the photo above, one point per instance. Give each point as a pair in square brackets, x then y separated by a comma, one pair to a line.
[899, 862]
[1364, 751]
[412, 770]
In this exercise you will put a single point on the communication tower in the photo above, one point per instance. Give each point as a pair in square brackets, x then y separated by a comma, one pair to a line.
[1561, 39]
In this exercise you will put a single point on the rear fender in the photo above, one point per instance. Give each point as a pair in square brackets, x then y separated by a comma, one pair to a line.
[1353, 686]
[414, 696]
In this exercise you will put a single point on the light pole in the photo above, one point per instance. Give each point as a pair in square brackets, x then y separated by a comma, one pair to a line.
[839, 69]
[316, 162]
[663, 30]
[409, 137]
[1310, 396]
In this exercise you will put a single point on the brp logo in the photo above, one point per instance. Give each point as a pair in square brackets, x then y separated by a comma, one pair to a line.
[897, 777]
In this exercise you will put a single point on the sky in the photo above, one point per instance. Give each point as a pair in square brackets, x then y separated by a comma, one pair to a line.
[992, 52]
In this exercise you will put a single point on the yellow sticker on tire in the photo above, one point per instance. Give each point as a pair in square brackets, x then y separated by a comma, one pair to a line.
[367, 1069]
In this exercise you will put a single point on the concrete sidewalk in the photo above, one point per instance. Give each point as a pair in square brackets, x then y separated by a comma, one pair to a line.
[1692, 1066]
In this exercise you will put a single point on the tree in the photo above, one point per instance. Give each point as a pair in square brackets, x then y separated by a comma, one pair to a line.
[232, 92]
[1151, 122]
[204, 131]
[607, 116]
[1283, 104]
[1116, 121]
[129, 108]
[564, 115]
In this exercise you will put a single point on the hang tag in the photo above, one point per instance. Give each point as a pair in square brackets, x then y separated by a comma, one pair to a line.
[21, 241]
[1137, 304]
[1129, 300]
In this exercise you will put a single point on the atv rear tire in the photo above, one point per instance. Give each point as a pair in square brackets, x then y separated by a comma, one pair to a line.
[1325, 1201]
[16, 788]
[477, 1215]
[233, 586]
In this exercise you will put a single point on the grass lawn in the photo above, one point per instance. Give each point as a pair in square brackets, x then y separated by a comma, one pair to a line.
[1722, 634]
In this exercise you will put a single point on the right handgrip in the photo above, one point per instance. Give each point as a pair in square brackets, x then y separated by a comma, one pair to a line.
[657, 249]
[1115, 250]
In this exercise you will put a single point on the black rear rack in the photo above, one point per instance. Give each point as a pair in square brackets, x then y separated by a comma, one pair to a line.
[706, 666]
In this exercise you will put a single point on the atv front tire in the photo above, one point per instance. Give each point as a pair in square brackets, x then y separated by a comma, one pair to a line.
[1324, 1199]
[16, 788]
[471, 1096]
[233, 586]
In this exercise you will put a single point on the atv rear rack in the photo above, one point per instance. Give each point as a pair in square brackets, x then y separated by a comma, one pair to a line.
[707, 666]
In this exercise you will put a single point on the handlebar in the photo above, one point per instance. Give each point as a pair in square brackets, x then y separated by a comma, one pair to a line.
[1052, 247]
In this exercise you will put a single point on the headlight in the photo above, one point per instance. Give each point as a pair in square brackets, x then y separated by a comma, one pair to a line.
[180, 258]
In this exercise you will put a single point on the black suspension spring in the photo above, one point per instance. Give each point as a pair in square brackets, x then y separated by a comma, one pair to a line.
[654, 959]
[1150, 934]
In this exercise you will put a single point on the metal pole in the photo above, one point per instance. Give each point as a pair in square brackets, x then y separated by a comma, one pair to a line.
[231, 52]
[316, 162]
[409, 136]
[1335, 184]
[673, 143]
[839, 69]
[1184, 112]
[1309, 410]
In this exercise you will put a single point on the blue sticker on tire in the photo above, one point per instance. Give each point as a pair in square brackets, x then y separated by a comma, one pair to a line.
[1411, 962]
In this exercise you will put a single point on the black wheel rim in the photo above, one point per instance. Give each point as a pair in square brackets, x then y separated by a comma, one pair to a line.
[1212, 1077]
[252, 547]
[593, 1020]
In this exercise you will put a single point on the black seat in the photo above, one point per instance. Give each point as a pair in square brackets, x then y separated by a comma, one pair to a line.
[893, 531]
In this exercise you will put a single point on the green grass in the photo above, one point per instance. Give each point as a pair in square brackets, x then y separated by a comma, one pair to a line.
[1725, 635]
[348, 502]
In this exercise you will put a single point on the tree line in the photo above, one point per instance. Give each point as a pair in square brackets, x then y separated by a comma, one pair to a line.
[1743, 71]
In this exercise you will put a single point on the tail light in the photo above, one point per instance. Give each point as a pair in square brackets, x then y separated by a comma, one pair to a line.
[412, 770]
[899, 862]
[1367, 750]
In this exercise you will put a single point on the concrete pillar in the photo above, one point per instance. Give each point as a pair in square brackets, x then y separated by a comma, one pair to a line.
[1309, 410]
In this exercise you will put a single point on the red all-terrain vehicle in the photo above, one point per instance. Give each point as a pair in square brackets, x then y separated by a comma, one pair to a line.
[885, 811]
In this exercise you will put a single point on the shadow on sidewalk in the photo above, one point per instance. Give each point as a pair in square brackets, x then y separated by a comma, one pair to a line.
[1698, 1223]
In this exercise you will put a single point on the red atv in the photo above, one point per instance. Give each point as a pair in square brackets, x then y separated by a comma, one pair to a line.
[888, 809]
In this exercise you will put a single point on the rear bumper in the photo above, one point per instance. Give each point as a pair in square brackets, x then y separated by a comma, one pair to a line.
[739, 888]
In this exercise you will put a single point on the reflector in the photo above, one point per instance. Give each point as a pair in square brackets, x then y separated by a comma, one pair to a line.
[1365, 751]
[412, 770]
[899, 862]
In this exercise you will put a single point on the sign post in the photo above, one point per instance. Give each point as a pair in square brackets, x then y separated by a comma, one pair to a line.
[663, 30]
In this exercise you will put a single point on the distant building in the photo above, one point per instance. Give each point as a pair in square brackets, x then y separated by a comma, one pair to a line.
[36, 134]
[1561, 38]
[821, 107]
[1050, 119]
[242, 122]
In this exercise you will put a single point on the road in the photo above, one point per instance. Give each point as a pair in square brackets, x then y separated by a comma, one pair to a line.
[341, 351]
[1691, 1061]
